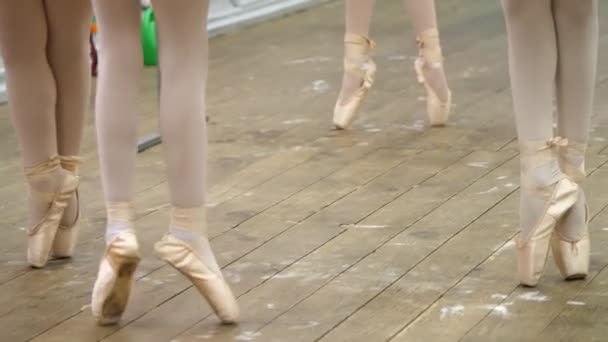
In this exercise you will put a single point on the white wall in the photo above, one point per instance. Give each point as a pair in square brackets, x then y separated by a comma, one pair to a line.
[228, 14]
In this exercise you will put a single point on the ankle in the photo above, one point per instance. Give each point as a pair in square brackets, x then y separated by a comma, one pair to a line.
[70, 163]
[72, 211]
[572, 160]
[44, 178]
[119, 219]
[189, 225]
[357, 50]
[188, 221]
[540, 164]
[429, 48]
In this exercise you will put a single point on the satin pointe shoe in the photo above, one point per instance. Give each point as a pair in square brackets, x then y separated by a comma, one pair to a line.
[570, 244]
[67, 234]
[357, 62]
[547, 195]
[209, 283]
[430, 56]
[42, 234]
[115, 278]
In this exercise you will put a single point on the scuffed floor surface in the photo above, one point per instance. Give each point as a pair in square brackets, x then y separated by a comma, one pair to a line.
[390, 231]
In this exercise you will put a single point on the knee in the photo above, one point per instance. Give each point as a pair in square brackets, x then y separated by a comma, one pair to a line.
[24, 55]
[121, 53]
[75, 50]
[523, 8]
[578, 12]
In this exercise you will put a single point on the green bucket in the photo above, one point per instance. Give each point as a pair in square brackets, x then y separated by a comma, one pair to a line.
[148, 37]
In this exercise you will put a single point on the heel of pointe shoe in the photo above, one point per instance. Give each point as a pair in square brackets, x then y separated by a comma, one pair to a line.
[42, 235]
[65, 241]
[115, 279]
[438, 111]
[211, 285]
[357, 62]
[571, 258]
[531, 260]
[67, 234]
[572, 255]
[532, 254]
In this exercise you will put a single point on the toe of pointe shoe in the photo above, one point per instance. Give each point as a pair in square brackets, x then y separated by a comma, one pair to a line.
[65, 242]
[439, 112]
[66, 237]
[42, 236]
[38, 251]
[210, 284]
[531, 260]
[40, 244]
[344, 114]
[571, 258]
[115, 278]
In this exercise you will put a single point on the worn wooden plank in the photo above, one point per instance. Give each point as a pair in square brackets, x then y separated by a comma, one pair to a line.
[584, 318]
[417, 235]
[544, 302]
[481, 293]
[279, 253]
[255, 232]
[274, 208]
[52, 289]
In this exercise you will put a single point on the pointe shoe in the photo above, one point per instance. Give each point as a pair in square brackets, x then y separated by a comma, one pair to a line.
[67, 234]
[210, 284]
[570, 243]
[42, 234]
[430, 56]
[115, 278]
[558, 192]
[358, 63]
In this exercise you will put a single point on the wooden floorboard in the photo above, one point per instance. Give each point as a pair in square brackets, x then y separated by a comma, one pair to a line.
[389, 231]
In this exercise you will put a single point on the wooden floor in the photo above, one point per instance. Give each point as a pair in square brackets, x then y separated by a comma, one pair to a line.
[391, 231]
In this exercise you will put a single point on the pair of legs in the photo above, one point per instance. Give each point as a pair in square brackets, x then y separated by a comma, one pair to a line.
[552, 52]
[182, 33]
[357, 62]
[44, 46]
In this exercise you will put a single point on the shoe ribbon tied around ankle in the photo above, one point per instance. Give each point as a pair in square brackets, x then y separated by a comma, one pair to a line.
[358, 61]
[434, 57]
[556, 142]
[538, 154]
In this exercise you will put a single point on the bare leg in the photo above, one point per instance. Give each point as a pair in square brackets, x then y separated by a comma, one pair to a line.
[30, 81]
[120, 63]
[544, 188]
[31, 90]
[424, 18]
[120, 67]
[183, 61]
[576, 24]
[532, 65]
[69, 24]
[358, 20]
